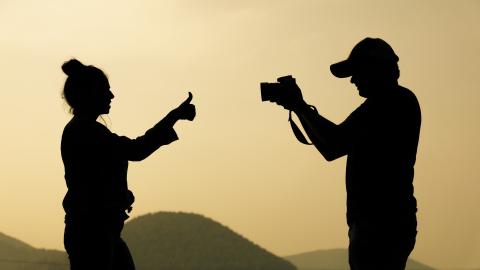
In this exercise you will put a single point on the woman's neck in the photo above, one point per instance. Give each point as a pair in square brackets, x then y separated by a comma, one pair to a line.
[86, 115]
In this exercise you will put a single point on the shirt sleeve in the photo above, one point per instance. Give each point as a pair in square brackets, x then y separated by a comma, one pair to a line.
[143, 146]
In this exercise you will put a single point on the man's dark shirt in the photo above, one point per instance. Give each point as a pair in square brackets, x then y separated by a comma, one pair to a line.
[381, 138]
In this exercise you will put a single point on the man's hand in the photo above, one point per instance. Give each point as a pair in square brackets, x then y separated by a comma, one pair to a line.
[291, 95]
[186, 110]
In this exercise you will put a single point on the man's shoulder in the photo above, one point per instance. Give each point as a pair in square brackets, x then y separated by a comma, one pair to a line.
[407, 95]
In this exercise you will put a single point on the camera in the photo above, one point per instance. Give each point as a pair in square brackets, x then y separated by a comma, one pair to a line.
[274, 91]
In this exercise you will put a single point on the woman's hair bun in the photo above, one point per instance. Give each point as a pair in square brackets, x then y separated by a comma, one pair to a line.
[72, 67]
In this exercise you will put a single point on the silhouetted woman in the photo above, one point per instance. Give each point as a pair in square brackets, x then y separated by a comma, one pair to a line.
[96, 162]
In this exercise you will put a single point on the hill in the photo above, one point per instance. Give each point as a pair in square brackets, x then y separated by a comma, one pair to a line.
[17, 255]
[183, 241]
[335, 259]
[176, 241]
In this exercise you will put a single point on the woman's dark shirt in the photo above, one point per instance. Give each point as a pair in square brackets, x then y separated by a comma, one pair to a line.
[96, 163]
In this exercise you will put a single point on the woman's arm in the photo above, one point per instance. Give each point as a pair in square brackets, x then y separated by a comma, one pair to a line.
[143, 146]
[160, 134]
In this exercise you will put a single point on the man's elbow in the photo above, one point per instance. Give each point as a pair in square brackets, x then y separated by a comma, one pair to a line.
[329, 158]
[331, 155]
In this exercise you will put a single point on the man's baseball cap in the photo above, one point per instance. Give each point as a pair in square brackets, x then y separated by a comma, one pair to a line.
[367, 52]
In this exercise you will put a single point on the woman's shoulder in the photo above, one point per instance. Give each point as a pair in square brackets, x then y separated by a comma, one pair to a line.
[78, 127]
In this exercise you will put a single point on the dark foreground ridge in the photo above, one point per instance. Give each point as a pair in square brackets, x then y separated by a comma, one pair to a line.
[184, 241]
[335, 259]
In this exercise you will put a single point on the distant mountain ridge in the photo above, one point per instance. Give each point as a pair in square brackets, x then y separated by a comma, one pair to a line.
[10, 242]
[17, 255]
[335, 259]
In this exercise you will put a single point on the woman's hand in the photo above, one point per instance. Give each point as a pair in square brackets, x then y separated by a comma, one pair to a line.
[186, 110]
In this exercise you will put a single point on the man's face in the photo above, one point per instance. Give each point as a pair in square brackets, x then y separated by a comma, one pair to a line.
[367, 81]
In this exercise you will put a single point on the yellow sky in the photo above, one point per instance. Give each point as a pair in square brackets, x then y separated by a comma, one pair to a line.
[239, 163]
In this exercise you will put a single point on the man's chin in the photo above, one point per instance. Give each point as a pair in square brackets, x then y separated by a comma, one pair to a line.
[362, 94]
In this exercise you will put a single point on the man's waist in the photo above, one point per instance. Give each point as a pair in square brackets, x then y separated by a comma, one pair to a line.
[381, 213]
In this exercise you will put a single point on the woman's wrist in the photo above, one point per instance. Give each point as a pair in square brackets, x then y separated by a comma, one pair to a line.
[171, 118]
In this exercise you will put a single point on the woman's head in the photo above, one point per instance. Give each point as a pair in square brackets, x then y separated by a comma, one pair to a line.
[86, 89]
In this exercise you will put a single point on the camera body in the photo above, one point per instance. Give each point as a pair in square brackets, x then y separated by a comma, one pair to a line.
[273, 92]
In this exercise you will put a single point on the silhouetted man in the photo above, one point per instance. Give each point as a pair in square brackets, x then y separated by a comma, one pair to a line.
[380, 139]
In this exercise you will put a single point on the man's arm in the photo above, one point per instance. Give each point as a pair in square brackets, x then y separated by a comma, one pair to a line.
[327, 137]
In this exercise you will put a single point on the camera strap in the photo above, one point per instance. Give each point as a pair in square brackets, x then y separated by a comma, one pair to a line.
[298, 133]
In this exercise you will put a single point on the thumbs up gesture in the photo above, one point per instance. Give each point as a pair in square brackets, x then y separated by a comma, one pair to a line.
[186, 110]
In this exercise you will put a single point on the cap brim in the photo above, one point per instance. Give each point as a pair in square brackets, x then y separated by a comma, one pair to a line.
[342, 69]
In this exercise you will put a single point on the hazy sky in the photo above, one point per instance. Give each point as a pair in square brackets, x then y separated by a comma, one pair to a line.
[239, 162]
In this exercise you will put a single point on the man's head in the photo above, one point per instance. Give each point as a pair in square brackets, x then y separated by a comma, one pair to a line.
[372, 64]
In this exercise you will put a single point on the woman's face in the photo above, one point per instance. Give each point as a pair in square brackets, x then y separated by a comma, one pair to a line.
[102, 97]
